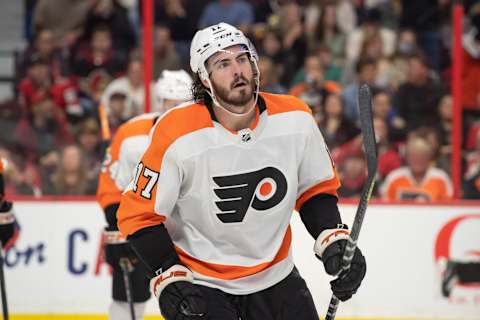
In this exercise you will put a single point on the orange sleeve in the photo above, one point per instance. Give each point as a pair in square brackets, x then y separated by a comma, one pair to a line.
[107, 191]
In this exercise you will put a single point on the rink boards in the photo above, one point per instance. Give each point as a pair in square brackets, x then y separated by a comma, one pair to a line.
[56, 269]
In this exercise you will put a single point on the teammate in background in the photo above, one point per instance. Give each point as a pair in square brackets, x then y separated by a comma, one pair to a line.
[9, 229]
[126, 149]
[209, 209]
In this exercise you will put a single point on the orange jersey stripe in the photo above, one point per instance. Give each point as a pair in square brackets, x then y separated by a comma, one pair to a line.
[137, 212]
[231, 272]
[328, 187]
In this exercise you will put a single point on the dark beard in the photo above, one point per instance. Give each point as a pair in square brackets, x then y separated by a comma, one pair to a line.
[239, 100]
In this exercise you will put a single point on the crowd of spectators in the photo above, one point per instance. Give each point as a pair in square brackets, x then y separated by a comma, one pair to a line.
[83, 53]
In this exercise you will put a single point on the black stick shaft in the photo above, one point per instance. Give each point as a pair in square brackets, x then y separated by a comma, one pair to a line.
[126, 266]
[366, 123]
[2, 287]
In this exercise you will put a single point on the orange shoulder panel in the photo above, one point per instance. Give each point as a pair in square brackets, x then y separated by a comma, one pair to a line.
[137, 212]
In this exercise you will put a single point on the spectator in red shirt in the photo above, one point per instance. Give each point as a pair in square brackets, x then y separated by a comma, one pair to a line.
[40, 82]
[388, 157]
[44, 129]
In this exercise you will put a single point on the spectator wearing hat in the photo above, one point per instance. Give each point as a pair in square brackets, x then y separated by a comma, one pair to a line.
[133, 87]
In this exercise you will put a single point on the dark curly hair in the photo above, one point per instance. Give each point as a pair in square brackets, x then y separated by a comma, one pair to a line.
[199, 91]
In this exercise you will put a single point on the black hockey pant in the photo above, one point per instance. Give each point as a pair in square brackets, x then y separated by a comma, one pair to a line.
[289, 299]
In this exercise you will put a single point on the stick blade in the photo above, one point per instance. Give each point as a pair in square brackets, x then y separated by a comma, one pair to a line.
[366, 124]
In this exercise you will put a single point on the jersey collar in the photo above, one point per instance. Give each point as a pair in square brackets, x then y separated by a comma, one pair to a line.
[260, 103]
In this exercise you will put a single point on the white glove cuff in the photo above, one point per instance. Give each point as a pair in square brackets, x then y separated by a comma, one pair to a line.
[174, 273]
[113, 237]
[327, 237]
[7, 217]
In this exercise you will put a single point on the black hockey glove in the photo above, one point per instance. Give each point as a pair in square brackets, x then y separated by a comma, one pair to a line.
[329, 248]
[117, 247]
[178, 297]
[8, 225]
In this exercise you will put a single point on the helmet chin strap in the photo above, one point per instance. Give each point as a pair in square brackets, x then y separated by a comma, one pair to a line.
[212, 95]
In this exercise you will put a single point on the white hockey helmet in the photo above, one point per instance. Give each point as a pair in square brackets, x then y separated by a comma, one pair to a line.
[174, 85]
[210, 40]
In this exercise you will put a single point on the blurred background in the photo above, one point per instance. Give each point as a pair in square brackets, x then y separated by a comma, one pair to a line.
[60, 60]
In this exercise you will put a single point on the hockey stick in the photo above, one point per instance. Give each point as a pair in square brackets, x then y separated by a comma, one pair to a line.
[2, 285]
[127, 267]
[2, 276]
[106, 136]
[366, 124]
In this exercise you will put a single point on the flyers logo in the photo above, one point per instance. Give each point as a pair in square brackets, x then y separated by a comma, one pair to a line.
[261, 190]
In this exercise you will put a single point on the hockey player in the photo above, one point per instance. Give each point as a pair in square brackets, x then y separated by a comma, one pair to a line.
[209, 209]
[127, 147]
[9, 229]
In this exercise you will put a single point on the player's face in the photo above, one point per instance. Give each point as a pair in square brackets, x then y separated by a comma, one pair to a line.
[231, 75]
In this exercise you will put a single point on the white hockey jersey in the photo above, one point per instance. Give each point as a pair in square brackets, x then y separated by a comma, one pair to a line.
[126, 149]
[227, 197]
